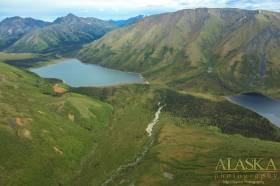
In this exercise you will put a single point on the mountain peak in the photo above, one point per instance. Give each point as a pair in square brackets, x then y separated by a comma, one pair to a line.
[27, 21]
[71, 15]
[13, 28]
[12, 18]
[66, 19]
[129, 21]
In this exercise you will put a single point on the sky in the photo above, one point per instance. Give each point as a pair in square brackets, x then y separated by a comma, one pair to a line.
[48, 10]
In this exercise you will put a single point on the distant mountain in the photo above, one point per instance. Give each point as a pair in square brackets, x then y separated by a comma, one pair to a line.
[203, 49]
[11, 29]
[63, 32]
[132, 20]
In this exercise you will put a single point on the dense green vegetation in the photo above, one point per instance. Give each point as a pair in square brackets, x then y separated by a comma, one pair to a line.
[203, 111]
[189, 139]
[229, 118]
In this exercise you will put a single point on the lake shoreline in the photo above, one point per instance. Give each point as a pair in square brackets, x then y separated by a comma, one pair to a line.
[75, 73]
[262, 105]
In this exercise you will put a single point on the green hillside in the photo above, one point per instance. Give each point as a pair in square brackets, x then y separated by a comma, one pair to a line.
[44, 135]
[186, 154]
[186, 144]
[216, 50]
[83, 136]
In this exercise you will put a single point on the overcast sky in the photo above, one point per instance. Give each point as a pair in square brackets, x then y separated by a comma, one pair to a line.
[118, 9]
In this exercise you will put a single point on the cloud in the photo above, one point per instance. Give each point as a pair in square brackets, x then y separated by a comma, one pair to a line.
[273, 5]
[109, 9]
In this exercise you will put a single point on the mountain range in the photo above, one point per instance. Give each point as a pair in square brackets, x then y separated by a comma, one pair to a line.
[53, 134]
[30, 35]
[126, 22]
[11, 29]
[216, 50]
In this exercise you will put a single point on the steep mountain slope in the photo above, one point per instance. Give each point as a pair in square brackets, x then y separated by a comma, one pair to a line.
[11, 29]
[63, 32]
[44, 136]
[219, 50]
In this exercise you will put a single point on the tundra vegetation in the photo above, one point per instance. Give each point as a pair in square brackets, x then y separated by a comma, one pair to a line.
[53, 134]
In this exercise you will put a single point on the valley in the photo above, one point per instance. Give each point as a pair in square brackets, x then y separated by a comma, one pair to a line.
[65, 120]
[107, 128]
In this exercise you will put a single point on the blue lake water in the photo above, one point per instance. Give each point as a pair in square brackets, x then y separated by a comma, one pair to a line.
[263, 105]
[78, 74]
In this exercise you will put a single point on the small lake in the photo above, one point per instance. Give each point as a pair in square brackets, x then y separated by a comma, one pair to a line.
[263, 105]
[78, 74]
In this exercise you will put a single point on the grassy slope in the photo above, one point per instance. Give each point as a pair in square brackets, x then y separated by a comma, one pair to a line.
[46, 146]
[16, 56]
[189, 153]
[27, 60]
[44, 136]
[216, 50]
[125, 136]
[185, 146]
